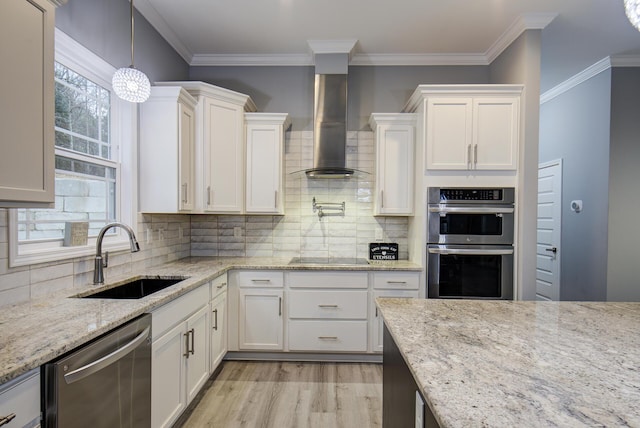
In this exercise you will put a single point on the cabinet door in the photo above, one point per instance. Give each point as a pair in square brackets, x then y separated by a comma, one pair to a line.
[27, 103]
[377, 322]
[495, 132]
[197, 354]
[394, 161]
[264, 169]
[218, 330]
[260, 319]
[187, 153]
[224, 156]
[448, 139]
[168, 397]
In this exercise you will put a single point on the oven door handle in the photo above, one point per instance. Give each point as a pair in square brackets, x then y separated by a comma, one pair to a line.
[471, 210]
[107, 360]
[471, 251]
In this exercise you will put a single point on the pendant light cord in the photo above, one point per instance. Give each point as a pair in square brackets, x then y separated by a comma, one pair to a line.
[131, 1]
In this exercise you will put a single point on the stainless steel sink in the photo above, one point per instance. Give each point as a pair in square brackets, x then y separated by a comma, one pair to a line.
[136, 288]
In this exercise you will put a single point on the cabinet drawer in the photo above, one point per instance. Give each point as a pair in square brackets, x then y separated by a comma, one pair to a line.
[260, 278]
[327, 279]
[333, 304]
[165, 317]
[219, 285]
[22, 397]
[396, 280]
[331, 336]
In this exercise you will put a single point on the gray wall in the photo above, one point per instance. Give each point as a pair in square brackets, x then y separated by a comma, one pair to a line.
[575, 127]
[623, 279]
[102, 26]
[520, 64]
[383, 89]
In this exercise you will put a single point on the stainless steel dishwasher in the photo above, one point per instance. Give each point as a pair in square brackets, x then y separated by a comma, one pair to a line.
[106, 383]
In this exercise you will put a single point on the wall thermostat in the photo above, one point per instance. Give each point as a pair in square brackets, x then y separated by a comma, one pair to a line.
[576, 206]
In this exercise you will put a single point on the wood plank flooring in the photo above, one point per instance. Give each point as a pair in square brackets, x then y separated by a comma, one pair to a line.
[291, 395]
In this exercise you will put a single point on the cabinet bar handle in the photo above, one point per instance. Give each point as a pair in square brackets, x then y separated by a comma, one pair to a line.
[193, 339]
[475, 154]
[469, 159]
[215, 317]
[186, 344]
[208, 195]
[260, 280]
[376, 312]
[328, 337]
[275, 199]
[6, 419]
[327, 306]
[184, 193]
[279, 306]
[396, 282]
[221, 285]
[382, 199]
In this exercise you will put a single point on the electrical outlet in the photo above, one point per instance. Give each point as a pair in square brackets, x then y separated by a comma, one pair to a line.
[237, 232]
[379, 234]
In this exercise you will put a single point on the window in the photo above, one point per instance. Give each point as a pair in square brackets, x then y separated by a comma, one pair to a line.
[93, 159]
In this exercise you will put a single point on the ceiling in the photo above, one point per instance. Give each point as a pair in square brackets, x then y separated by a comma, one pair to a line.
[575, 33]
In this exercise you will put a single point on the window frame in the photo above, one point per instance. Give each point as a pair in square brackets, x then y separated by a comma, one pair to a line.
[124, 140]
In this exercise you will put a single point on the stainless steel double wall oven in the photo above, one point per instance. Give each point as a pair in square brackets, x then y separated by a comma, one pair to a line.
[470, 243]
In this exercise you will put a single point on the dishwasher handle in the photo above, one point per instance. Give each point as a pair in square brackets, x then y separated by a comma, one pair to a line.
[107, 360]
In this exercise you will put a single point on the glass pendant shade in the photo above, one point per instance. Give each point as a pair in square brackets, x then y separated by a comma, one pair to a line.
[632, 9]
[131, 85]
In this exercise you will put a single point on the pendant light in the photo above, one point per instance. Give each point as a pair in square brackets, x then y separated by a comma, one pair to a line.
[129, 83]
[632, 9]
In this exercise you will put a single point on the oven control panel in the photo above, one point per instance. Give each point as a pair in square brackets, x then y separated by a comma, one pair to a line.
[470, 194]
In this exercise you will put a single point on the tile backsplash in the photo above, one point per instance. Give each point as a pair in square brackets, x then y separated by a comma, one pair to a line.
[300, 232]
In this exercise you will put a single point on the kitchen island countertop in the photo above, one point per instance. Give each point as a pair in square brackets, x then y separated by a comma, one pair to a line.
[40, 330]
[525, 364]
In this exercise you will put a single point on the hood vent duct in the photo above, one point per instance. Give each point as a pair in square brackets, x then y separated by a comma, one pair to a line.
[330, 110]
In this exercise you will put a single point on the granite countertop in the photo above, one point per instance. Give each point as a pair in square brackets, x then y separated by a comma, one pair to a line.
[524, 364]
[36, 332]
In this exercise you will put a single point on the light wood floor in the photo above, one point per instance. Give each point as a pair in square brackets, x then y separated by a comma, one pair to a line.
[291, 395]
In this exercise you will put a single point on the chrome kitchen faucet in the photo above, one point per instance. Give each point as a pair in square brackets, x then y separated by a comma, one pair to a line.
[98, 272]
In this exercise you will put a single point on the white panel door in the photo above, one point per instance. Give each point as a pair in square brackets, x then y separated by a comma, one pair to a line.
[218, 330]
[187, 160]
[395, 170]
[449, 126]
[260, 319]
[495, 133]
[264, 169]
[548, 236]
[168, 398]
[197, 355]
[224, 157]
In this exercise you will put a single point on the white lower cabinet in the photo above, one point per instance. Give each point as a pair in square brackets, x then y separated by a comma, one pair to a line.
[328, 335]
[260, 319]
[218, 321]
[390, 284]
[180, 354]
[20, 397]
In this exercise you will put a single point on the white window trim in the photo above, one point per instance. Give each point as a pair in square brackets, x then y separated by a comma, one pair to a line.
[125, 124]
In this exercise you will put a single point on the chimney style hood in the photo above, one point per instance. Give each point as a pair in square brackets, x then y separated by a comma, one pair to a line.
[330, 109]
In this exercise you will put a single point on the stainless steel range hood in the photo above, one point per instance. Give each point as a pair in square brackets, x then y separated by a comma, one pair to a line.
[330, 110]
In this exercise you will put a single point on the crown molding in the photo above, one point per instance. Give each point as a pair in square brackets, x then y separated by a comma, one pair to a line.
[575, 80]
[419, 59]
[161, 26]
[528, 21]
[625, 60]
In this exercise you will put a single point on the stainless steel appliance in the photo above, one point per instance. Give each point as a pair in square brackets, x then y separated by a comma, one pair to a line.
[106, 383]
[470, 243]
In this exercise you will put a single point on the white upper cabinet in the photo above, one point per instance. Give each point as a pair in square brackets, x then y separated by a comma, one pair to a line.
[395, 141]
[220, 169]
[167, 151]
[265, 170]
[27, 121]
[469, 127]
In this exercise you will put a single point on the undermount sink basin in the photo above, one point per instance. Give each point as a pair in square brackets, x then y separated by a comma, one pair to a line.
[135, 289]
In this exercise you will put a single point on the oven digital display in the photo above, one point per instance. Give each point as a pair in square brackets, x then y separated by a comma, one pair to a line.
[471, 194]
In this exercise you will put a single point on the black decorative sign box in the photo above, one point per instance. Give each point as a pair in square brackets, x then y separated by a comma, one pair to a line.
[383, 251]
